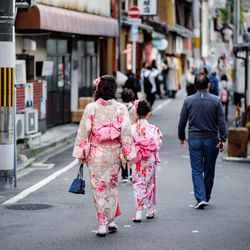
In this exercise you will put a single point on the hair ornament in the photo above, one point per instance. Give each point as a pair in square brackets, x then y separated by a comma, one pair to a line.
[97, 81]
[136, 104]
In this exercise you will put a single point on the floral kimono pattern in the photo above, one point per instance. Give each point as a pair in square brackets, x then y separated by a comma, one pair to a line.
[147, 140]
[103, 141]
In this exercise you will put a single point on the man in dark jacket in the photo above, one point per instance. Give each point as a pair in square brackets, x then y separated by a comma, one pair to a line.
[207, 135]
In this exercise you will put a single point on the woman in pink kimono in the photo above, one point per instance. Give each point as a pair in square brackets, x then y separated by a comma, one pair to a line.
[147, 141]
[104, 141]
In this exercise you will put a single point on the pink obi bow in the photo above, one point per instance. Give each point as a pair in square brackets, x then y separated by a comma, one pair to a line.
[107, 131]
[144, 148]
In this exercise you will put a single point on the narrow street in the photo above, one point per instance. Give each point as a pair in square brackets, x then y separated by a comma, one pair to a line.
[70, 220]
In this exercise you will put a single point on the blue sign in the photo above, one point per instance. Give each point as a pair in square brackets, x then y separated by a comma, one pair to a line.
[134, 31]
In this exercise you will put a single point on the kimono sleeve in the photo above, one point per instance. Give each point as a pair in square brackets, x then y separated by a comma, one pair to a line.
[158, 142]
[82, 142]
[128, 149]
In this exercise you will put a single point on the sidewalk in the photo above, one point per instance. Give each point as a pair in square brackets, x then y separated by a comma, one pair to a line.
[51, 141]
[217, 49]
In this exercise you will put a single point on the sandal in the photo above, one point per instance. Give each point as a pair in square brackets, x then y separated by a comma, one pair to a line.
[152, 215]
[100, 233]
[113, 228]
[135, 220]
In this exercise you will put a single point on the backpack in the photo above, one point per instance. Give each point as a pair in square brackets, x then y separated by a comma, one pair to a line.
[147, 85]
[224, 95]
[136, 85]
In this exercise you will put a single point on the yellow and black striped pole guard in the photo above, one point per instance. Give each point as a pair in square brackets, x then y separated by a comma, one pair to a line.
[6, 87]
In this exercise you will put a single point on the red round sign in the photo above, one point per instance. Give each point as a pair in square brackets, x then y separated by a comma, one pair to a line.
[134, 12]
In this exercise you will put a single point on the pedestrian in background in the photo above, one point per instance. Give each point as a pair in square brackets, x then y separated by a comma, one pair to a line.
[157, 82]
[205, 64]
[190, 76]
[149, 84]
[172, 75]
[207, 135]
[224, 94]
[127, 98]
[133, 84]
[225, 68]
[204, 71]
[214, 84]
[164, 74]
[147, 141]
[104, 130]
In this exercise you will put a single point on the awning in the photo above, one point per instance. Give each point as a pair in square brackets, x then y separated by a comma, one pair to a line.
[42, 17]
[181, 31]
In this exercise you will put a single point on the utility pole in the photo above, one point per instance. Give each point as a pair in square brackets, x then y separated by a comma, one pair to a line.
[7, 64]
[196, 30]
[119, 36]
[235, 40]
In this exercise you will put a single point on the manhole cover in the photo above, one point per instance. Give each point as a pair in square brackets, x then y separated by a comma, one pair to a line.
[29, 206]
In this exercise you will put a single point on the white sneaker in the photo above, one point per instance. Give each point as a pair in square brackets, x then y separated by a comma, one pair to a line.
[200, 205]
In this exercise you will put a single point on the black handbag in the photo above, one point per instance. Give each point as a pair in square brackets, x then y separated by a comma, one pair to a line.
[78, 185]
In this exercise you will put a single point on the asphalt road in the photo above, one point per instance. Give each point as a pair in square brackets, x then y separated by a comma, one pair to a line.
[70, 222]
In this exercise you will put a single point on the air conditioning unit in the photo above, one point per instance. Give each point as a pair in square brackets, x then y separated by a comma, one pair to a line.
[20, 126]
[29, 44]
[20, 72]
[31, 121]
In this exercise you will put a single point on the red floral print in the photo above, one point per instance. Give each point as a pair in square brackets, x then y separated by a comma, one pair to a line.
[126, 148]
[82, 143]
[92, 118]
[100, 186]
[101, 219]
[114, 180]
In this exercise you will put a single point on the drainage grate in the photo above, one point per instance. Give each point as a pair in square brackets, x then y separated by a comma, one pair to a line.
[28, 206]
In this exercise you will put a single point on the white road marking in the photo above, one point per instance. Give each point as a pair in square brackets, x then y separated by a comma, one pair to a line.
[195, 231]
[94, 231]
[40, 184]
[161, 105]
[42, 165]
[185, 156]
[191, 192]
[191, 205]
[127, 226]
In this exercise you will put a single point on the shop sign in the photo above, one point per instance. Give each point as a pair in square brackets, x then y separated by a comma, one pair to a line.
[160, 44]
[147, 7]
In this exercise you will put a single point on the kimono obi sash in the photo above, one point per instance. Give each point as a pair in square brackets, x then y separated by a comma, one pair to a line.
[144, 148]
[107, 133]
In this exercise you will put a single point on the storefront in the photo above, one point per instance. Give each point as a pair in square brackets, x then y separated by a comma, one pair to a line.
[75, 43]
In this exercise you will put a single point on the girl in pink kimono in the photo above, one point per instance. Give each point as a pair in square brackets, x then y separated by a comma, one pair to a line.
[147, 141]
[104, 141]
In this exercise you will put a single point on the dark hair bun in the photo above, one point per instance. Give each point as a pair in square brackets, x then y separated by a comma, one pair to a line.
[143, 108]
[107, 88]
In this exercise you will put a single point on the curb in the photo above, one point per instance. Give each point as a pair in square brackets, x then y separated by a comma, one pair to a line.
[236, 159]
[45, 152]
